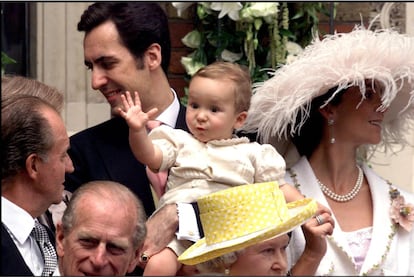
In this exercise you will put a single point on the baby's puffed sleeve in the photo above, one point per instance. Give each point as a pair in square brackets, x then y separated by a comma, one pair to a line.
[167, 139]
[270, 165]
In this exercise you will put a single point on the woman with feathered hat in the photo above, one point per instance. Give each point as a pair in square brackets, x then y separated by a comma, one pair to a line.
[344, 97]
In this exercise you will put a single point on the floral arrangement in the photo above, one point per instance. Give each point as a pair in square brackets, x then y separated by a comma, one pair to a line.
[401, 213]
[259, 35]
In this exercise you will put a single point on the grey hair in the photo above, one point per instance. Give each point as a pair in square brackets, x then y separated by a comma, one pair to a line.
[219, 264]
[112, 191]
[18, 85]
[24, 131]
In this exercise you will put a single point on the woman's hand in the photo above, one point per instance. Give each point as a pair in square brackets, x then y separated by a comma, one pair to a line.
[315, 231]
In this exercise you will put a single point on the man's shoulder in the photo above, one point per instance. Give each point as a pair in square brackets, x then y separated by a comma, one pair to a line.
[7, 243]
[111, 126]
[12, 262]
[4, 233]
[251, 136]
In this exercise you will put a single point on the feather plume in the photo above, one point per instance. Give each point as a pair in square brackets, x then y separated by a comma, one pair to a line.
[340, 60]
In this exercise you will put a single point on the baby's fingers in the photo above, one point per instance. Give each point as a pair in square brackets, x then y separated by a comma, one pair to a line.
[125, 104]
[129, 99]
[151, 113]
[137, 100]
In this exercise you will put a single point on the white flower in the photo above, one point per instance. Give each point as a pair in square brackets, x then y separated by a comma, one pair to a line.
[190, 66]
[291, 58]
[229, 56]
[265, 10]
[192, 39]
[230, 8]
[181, 6]
[293, 50]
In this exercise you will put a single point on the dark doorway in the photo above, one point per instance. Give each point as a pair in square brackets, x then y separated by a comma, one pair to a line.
[15, 34]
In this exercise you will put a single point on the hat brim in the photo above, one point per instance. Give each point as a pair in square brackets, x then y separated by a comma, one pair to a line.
[299, 212]
[281, 105]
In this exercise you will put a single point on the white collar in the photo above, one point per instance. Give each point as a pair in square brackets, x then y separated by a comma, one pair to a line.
[18, 221]
[57, 271]
[170, 114]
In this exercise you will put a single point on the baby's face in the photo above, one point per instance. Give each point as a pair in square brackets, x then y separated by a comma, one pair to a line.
[211, 112]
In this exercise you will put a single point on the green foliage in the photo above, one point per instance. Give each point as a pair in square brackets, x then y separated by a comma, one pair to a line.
[5, 60]
[259, 35]
[305, 19]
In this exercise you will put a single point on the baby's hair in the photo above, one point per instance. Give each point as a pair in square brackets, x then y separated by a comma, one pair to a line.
[236, 73]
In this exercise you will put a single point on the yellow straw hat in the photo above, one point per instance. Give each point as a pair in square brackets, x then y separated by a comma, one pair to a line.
[238, 217]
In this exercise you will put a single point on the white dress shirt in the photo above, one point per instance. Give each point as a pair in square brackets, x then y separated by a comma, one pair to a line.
[170, 114]
[20, 224]
[57, 272]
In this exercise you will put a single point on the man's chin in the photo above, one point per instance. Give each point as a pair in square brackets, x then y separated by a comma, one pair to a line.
[115, 112]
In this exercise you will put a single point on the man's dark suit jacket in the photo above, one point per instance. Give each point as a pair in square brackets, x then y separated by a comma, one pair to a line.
[12, 262]
[102, 152]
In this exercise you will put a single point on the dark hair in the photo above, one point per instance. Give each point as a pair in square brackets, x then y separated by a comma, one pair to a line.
[24, 131]
[310, 134]
[139, 24]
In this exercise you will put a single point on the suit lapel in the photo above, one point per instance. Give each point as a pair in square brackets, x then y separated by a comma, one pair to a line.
[12, 263]
[181, 124]
[382, 225]
[311, 189]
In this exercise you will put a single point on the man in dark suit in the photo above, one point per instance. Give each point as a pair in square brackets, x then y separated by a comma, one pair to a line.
[34, 147]
[127, 48]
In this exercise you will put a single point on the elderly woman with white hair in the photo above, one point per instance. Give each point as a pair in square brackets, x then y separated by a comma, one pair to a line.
[247, 231]
[346, 95]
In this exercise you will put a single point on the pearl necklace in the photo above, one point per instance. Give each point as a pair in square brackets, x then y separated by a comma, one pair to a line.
[346, 197]
[375, 267]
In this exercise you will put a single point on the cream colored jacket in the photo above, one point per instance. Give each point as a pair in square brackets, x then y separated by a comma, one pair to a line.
[197, 168]
[398, 260]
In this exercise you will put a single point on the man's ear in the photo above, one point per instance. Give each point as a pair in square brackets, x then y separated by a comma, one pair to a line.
[32, 165]
[241, 118]
[134, 262]
[153, 56]
[59, 239]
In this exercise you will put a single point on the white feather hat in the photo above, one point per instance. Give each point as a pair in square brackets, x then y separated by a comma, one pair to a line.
[340, 60]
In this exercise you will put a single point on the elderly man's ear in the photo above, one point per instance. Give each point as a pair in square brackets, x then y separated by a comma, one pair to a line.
[135, 261]
[59, 239]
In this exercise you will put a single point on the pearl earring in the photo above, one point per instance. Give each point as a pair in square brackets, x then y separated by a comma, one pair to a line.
[331, 122]
[226, 271]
